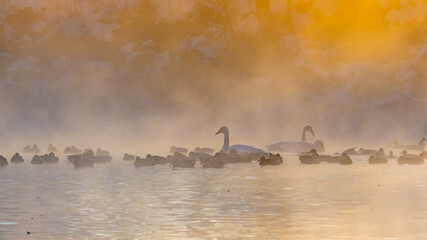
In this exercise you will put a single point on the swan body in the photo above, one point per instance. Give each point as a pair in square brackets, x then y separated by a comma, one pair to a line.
[298, 146]
[226, 148]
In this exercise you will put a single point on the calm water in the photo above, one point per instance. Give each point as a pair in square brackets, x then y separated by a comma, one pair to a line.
[291, 201]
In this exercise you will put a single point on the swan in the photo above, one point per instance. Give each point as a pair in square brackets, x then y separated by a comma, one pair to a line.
[16, 158]
[51, 148]
[128, 157]
[270, 160]
[226, 148]
[419, 147]
[3, 161]
[36, 160]
[301, 146]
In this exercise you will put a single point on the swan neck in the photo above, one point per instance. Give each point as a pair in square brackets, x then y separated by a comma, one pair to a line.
[226, 143]
[303, 135]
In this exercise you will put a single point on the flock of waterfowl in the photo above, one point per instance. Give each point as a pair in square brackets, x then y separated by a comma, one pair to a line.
[181, 158]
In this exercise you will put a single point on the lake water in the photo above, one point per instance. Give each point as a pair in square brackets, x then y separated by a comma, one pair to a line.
[240, 201]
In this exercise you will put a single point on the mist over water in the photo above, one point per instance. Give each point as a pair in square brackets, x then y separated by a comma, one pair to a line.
[148, 74]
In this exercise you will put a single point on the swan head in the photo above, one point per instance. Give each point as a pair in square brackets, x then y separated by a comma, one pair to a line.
[222, 130]
[319, 146]
[309, 129]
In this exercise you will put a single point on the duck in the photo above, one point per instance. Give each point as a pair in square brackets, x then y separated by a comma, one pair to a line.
[226, 148]
[345, 160]
[16, 158]
[199, 155]
[28, 149]
[37, 160]
[377, 160]
[51, 148]
[179, 160]
[72, 150]
[412, 159]
[128, 157]
[82, 162]
[391, 155]
[3, 161]
[298, 147]
[181, 150]
[100, 152]
[49, 158]
[380, 153]
[212, 162]
[209, 151]
[143, 162]
[311, 158]
[272, 160]
[419, 147]
[156, 159]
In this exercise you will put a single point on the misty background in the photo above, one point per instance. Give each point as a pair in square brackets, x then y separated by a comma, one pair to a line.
[141, 76]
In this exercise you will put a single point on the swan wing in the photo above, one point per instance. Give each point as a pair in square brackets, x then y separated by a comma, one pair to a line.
[245, 149]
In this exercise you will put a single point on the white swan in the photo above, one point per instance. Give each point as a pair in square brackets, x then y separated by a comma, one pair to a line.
[226, 148]
[302, 146]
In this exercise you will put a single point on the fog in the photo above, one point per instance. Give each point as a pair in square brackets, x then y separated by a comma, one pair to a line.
[140, 76]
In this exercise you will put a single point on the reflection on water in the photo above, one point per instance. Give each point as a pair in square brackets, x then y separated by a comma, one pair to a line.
[290, 201]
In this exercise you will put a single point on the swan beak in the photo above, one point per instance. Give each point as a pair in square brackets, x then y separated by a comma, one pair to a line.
[218, 133]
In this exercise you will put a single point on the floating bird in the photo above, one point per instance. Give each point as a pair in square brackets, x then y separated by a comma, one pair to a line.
[346, 160]
[212, 162]
[226, 148]
[3, 161]
[419, 147]
[209, 151]
[82, 162]
[72, 150]
[311, 158]
[51, 148]
[363, 151]
[391, 155]
[128, 157]
[179, 160]
[377, 160]
[156, 159]
[16, 158]
[36, 160]
[49, 158]
[143, 162]
[411, 158]
[181, 150]
[198, 155]
[100, 152]
[298, 147]
[29, 149]
[270, 160]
